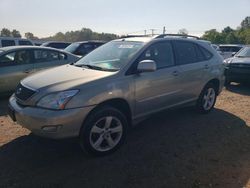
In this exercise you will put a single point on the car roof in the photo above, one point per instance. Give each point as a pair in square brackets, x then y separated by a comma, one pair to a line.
[148, 38]
[25, 47]
[90, 41]
[59, 42]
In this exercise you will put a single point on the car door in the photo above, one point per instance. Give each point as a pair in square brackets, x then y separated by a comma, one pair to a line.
[193, 69]
[14, 66]
[45, 59]
[160, 89]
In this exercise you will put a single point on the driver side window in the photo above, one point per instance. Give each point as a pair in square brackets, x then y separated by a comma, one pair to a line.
[161, 53]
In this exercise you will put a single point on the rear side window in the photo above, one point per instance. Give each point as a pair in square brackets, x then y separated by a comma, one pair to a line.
[161, 53]
[206, 53]
[8, 43]
[24, 42]
[47, 56]
[188, 52]
[185, 53]
[16, 58]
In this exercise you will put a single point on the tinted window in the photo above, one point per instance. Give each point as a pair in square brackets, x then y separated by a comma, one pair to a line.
[8, 43]
[161, 53]
[230, 48]
[206, 53]
[47, 55]
[24, 42]
[58, 45]
[16, 58]
[185, 53]
[84, 49]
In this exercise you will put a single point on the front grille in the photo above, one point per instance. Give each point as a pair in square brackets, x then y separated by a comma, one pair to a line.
[23, 93]
[240, 65]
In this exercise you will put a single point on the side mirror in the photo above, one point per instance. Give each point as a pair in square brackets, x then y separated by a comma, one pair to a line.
[146, 66]
[233, 54]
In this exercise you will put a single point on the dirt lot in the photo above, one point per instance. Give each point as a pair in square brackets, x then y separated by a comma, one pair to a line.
[176, 148]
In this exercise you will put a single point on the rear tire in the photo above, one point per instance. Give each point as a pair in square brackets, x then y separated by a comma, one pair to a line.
[104, 131]
[207, 99]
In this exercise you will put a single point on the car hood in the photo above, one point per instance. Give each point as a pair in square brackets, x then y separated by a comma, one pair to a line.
[63, 77]
[241, 60]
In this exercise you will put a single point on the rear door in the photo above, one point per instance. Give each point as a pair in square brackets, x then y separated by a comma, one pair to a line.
[48, 58]
[160, 89]
[14, 66]
[194, 68]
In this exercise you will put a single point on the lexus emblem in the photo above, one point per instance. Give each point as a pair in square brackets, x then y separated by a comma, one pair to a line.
[18, 91]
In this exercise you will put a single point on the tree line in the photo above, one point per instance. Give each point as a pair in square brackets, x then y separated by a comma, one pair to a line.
[70, 36]
[241, 35]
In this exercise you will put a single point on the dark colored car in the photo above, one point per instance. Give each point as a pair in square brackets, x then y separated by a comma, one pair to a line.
[57, 45]
[83, 48]
[238, 67]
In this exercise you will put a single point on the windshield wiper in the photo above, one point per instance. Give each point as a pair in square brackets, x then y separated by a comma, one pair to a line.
[96, 67]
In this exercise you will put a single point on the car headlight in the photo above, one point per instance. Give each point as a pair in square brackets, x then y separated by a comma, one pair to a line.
[227, 61]
[57, 101]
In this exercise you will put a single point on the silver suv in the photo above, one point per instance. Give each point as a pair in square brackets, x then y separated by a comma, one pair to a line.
[115, 86]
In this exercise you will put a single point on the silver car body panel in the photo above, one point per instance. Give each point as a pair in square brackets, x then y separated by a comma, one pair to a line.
[145, 93]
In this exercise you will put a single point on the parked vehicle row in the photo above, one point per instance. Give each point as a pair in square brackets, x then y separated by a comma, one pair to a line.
[229, 50]
[57, 45]
[238, 67]
[115, 86]
[18, 62]
[10, 41]
[84, 47]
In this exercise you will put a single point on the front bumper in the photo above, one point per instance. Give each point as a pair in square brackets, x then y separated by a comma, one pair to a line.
[54, 124]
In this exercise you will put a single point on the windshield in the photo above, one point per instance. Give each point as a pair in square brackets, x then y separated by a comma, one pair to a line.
[245, 52]
[72, 48]
[111, 56]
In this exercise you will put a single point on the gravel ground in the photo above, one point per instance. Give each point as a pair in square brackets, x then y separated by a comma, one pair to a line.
[177, 148]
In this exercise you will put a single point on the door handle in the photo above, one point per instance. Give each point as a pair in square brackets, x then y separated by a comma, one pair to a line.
[206, 66]
[175, 73]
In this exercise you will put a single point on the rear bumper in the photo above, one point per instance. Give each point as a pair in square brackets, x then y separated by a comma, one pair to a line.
[54, 124]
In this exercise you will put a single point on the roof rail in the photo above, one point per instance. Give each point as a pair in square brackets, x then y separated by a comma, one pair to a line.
[131, 36]
[177, 35]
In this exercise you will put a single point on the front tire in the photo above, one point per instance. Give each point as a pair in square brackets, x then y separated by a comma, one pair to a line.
[104, 131]
[207, 99]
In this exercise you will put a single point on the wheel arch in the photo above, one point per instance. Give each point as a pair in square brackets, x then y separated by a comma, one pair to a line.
[118, 103]
[216, 83]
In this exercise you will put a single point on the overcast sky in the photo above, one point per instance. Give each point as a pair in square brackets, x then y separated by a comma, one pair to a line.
[46, 17]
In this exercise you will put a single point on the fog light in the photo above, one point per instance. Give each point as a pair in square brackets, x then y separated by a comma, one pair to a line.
[51, 128]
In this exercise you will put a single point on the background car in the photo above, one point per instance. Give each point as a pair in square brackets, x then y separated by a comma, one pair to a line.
[57, 45]
[228, 50]
[84, 47]
[238, 67]
[10, 41]
[19, 62]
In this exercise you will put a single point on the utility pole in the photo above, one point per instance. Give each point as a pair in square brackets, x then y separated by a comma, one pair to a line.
[164, 30]
[152, 30]
[145, 32]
